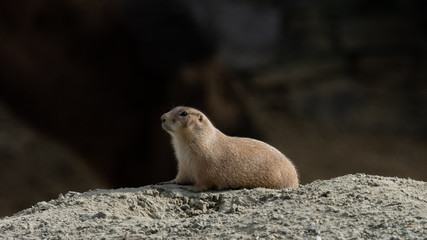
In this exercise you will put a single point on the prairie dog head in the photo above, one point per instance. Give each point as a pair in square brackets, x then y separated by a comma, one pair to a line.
[186, 122]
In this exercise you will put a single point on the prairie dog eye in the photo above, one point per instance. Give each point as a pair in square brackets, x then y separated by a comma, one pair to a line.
[183, 114]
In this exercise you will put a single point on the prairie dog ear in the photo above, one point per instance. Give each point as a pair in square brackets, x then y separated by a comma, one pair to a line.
[200, 117]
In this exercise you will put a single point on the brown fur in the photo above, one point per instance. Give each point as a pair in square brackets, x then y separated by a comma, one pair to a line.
[210, 159]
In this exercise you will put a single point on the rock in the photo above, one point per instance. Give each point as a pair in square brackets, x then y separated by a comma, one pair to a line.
[382, 208]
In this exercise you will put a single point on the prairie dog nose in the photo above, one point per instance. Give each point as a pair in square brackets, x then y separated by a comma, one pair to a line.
[163, 118]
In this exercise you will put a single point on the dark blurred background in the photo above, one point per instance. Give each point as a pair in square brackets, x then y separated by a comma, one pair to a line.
[338, 86]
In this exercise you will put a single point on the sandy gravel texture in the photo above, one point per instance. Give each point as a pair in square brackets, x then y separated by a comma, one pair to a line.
[349, 207]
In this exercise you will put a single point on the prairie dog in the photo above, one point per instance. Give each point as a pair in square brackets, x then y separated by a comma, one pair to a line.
[209, 159]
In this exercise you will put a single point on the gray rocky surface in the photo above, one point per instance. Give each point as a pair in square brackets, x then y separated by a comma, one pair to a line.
[355, 206]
